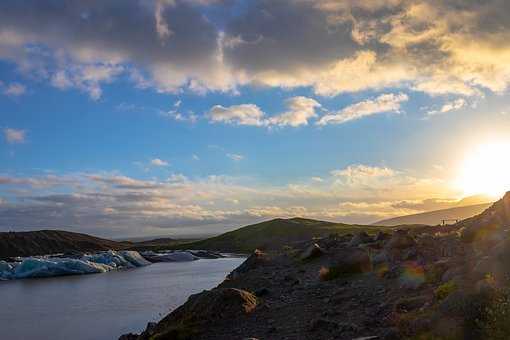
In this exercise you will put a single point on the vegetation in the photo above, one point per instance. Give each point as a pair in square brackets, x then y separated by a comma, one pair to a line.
[445, 289]
[275, 234]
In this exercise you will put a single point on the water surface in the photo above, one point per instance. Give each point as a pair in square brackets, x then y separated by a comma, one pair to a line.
[103, 306]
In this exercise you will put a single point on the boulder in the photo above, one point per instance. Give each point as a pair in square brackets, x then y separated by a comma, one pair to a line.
[347, 262]
[219, 303]
[360, 238]
[311, 252]
[380, 258]
[400, 240]
[255, 260]
[381, 236]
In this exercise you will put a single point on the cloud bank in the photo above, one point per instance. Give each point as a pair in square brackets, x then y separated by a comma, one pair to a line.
[437, 47]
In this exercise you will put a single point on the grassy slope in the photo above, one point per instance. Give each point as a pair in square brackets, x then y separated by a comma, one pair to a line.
[276, 233]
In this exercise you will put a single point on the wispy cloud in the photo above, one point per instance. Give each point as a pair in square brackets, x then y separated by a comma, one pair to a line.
[14, 136]
[159, 162]
[450, 106]
[15, 89]
[235, 157]
[384, 103]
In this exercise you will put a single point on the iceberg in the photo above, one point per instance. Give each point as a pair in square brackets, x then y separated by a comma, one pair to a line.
[47, 266]
[175, 256]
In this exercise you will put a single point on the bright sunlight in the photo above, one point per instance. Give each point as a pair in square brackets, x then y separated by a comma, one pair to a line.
[486, 170]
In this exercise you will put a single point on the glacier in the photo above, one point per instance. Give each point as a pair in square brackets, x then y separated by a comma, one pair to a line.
[47, 266]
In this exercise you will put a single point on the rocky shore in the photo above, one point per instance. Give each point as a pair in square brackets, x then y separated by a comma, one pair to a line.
[423, 283]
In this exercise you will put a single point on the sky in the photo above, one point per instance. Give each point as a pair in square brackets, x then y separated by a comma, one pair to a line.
[186, 117]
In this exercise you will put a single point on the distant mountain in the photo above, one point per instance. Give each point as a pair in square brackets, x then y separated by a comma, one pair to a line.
[435, 217]
[496, 216]
[41, 242]
[275, 234]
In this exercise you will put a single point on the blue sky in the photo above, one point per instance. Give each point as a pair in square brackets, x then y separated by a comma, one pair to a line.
[212, 114]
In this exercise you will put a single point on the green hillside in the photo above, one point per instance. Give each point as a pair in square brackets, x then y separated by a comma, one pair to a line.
[274, 234]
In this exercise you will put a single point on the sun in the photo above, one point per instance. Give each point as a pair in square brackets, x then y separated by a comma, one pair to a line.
[486, 170]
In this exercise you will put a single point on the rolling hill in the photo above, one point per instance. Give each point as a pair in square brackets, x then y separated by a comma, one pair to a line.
[41, 242]
[435, 217]
[275, 233]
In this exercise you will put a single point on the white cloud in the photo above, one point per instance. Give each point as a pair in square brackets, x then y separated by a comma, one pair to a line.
[235, 157]
[14, 136]
[384, 103]
[159, 162]
[15, 89]
[450, 106]
[244, 114]
[299, 111]
[360, 172]
[195, 157]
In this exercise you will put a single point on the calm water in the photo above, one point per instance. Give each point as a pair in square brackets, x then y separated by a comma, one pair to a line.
[103, 306]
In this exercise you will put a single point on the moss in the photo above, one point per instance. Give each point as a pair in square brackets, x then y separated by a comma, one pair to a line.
[445, 289]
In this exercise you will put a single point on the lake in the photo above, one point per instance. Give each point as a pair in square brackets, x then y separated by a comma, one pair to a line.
[103, 306]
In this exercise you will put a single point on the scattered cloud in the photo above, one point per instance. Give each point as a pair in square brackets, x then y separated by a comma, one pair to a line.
[384, 103]
[235, 157]
[450, 106]
[159, 162]
[362, 174]
[244, 114]
[300, 110]
[14, 136]
[127, 205]
[14, 90]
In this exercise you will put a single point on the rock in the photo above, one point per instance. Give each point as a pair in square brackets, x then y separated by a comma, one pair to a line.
[360, 238]
[409, 254]
[400, 240]
[380, 258]
[211, 305]
[323, 325]
[311, 252]
[381, 236]
[450, 274]
[346, 262]
[410, 304]
[484, 286]
[262, 292]
[255, 260]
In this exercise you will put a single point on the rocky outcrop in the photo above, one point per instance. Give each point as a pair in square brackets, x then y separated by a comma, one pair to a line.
[488, 223]
[424, 283]
[400, 239]
[203, 308]
[360, 238]
[311, 252]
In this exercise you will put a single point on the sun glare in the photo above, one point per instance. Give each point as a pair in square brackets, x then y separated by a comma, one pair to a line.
[486, 170]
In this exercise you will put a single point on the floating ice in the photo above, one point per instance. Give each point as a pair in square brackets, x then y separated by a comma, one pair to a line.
[175, 256]
[46, 266]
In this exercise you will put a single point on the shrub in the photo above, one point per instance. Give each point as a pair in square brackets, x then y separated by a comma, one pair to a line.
[445, 289]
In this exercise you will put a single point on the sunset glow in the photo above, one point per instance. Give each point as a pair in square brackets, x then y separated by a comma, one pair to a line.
[486, 170]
